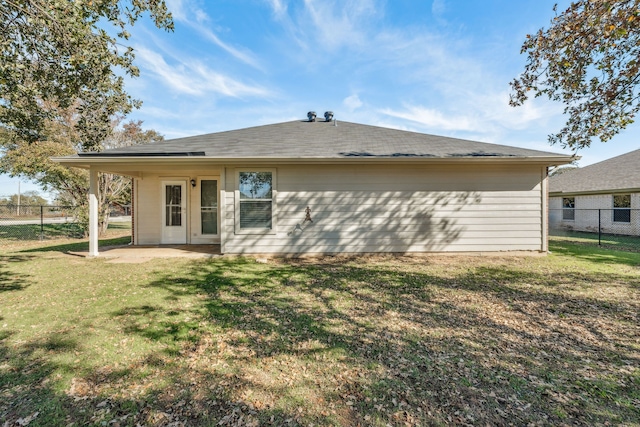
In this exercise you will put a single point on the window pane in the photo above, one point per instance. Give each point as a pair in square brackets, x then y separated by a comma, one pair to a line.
[173, 216]
[209, 193]
[173, 210]
[622, 201]
[568, 208]
[209, 221]
[255, 185]
[176, 216]
[255, 214]
[174, 194]
[622, 215]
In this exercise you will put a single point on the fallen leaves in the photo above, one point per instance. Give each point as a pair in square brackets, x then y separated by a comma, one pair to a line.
[389, 341]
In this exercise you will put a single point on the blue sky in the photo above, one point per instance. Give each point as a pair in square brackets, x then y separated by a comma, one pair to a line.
[441, 67]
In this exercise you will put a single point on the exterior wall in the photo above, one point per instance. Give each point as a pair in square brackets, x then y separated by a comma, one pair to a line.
[397, 208]
[148, 204]
[586, 214]
[148, 211]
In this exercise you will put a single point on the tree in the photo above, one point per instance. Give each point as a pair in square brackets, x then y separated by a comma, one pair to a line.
[33, 161]
[562, 169]
[27, 198]
[60, 53]
[27, 203]
[588, 59]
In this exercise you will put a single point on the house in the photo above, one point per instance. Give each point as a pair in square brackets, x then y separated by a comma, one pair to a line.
[604, 195]
[328, 186]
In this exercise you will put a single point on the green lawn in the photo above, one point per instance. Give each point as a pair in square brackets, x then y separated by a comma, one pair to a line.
[332, 341]
[58, 237]
[609, 241]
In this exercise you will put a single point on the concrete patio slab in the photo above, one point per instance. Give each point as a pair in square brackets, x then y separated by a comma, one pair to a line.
[138, 254]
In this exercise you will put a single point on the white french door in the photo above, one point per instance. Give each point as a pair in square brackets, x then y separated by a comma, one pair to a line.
[205, 215]
[174, 218]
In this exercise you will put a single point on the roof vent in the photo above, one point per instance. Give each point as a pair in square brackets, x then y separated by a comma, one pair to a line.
[312, 116]
[328, 116]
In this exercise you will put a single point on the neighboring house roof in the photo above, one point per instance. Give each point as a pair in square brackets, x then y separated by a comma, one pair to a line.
[321, 140]
[618, 174]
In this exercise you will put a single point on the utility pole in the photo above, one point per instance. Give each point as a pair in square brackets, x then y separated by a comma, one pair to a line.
[18, 207]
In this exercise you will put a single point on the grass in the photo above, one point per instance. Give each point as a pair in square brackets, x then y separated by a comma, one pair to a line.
[59, 237]
[332, 341]
[35, 231]
[609, 241]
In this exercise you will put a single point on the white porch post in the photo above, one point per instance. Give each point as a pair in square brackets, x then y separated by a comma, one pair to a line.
[93, 212]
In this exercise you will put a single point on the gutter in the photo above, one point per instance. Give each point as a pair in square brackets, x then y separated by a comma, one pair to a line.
[87, 161]
[594, 192]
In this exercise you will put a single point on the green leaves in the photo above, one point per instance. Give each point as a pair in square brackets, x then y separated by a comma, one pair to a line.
[586, 59]
[60, 137]
[58, 53]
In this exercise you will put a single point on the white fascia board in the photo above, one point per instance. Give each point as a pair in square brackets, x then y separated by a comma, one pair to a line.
[86, 162]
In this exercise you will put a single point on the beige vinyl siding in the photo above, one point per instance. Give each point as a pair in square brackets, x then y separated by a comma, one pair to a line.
[398, 208]
[149, 203]
[148, 213]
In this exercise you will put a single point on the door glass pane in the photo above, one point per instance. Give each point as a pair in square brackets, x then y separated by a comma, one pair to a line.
[209, 193]
[176, 216]
[209, 206]
[209, 220]
[173, 208]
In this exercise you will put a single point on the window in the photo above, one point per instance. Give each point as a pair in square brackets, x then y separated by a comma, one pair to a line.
[622, 208]
[255, 208]
[569, 208]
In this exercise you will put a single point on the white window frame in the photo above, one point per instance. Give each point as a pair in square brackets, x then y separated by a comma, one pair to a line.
[274, 204]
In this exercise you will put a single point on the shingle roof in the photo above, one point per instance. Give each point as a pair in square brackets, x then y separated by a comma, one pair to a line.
[320, 139]
[615, 174]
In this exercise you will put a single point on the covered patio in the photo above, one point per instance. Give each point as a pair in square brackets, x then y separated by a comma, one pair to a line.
[142, 253]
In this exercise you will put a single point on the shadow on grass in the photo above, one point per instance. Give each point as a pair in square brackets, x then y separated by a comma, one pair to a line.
[80, 246]
[185, 396]
[10, 281]
[489, 345]
[352, 342]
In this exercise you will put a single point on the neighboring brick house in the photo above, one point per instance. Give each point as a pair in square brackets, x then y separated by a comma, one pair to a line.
[605, 193]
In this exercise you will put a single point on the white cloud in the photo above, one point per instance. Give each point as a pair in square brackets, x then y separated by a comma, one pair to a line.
[279, 7]
[338, 23]
[194, 78]
[438, 7]
[197, 19]
[433, 119]
[486, 115]
[352, 102]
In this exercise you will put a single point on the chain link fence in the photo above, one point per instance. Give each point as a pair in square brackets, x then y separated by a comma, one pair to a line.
[38, 222]
[617, 228]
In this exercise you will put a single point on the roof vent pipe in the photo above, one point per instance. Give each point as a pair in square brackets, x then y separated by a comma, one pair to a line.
[328, 116]
[311, 115]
